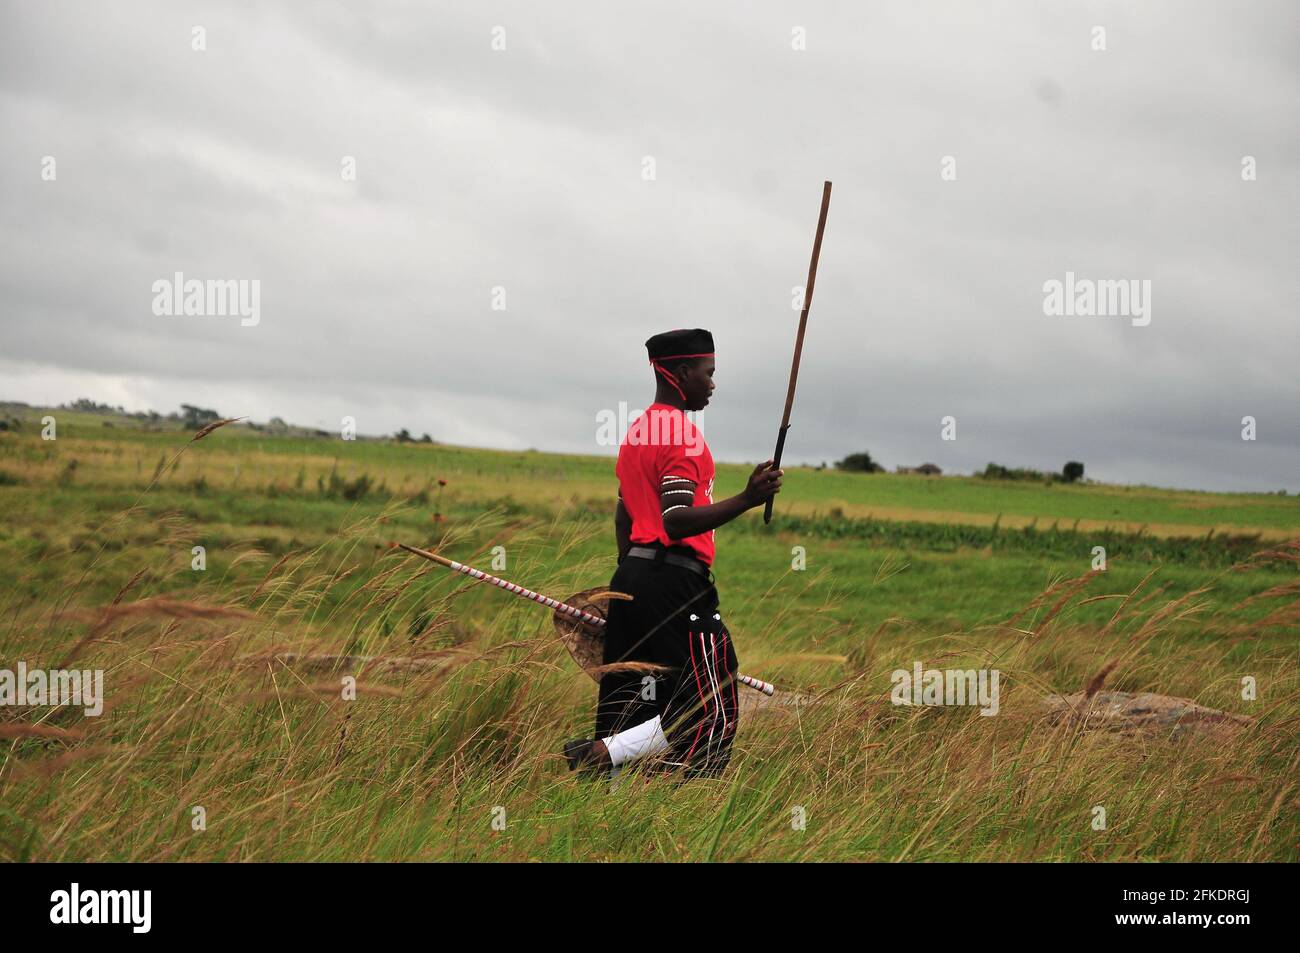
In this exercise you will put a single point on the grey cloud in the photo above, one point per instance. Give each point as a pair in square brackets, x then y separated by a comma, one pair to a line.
[522, 169]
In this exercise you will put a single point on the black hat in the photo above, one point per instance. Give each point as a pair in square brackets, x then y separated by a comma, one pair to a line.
[683, 343]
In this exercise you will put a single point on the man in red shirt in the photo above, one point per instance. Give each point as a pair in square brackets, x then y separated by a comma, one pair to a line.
[664, 524]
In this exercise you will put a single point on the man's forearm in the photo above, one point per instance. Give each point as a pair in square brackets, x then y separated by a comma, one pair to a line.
[693, 520]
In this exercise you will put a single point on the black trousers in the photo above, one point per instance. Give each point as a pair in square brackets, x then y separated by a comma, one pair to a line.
[672, 621]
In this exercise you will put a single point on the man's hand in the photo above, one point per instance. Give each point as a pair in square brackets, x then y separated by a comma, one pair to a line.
[764, 483]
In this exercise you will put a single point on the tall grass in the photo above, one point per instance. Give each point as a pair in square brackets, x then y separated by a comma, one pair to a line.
[201, 714]
[452, 753]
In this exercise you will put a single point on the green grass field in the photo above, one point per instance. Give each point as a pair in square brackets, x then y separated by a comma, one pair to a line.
[96, 547]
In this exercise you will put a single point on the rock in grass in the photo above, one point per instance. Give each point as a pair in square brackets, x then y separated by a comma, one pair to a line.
[1143, 711]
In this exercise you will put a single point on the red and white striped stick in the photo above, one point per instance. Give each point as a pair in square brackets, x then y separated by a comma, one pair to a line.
[767, 688]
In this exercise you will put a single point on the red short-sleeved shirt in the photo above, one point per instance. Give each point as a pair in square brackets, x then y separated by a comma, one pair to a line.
[661, 444]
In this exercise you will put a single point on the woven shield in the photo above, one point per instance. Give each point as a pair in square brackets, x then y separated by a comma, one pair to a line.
[586, 642]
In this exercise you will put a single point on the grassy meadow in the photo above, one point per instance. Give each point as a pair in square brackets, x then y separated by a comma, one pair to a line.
[455, 755]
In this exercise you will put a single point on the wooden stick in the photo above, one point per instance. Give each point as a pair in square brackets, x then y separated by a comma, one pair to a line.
[798, 341]
[767, 688]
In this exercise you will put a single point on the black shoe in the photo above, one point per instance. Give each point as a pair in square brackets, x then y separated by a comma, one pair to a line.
[579, 754]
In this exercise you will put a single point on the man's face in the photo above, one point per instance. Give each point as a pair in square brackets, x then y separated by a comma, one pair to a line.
[696, 382]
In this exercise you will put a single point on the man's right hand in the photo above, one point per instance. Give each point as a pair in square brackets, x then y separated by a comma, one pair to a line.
[764, 483]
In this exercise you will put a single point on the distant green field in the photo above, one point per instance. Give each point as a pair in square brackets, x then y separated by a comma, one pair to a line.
[123, 455]
[296, 532]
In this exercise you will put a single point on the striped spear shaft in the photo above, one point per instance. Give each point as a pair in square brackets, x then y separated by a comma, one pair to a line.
[767, 688]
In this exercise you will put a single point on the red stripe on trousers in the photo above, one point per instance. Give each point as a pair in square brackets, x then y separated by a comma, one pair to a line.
[690, 639]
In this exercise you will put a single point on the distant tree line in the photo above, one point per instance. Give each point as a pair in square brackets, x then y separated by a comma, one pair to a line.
[404, 436]
[195, 418]
[1070, 473]
[88, 406]
[859, 463]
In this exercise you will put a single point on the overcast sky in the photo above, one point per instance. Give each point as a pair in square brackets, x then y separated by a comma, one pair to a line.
[524, 168]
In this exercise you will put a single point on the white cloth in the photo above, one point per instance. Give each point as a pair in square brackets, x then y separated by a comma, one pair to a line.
[638, 741]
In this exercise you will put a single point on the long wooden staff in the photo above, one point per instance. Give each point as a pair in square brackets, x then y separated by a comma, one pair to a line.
[798, 341]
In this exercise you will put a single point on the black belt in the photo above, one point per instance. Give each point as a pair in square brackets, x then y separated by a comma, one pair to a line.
[685, 562]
